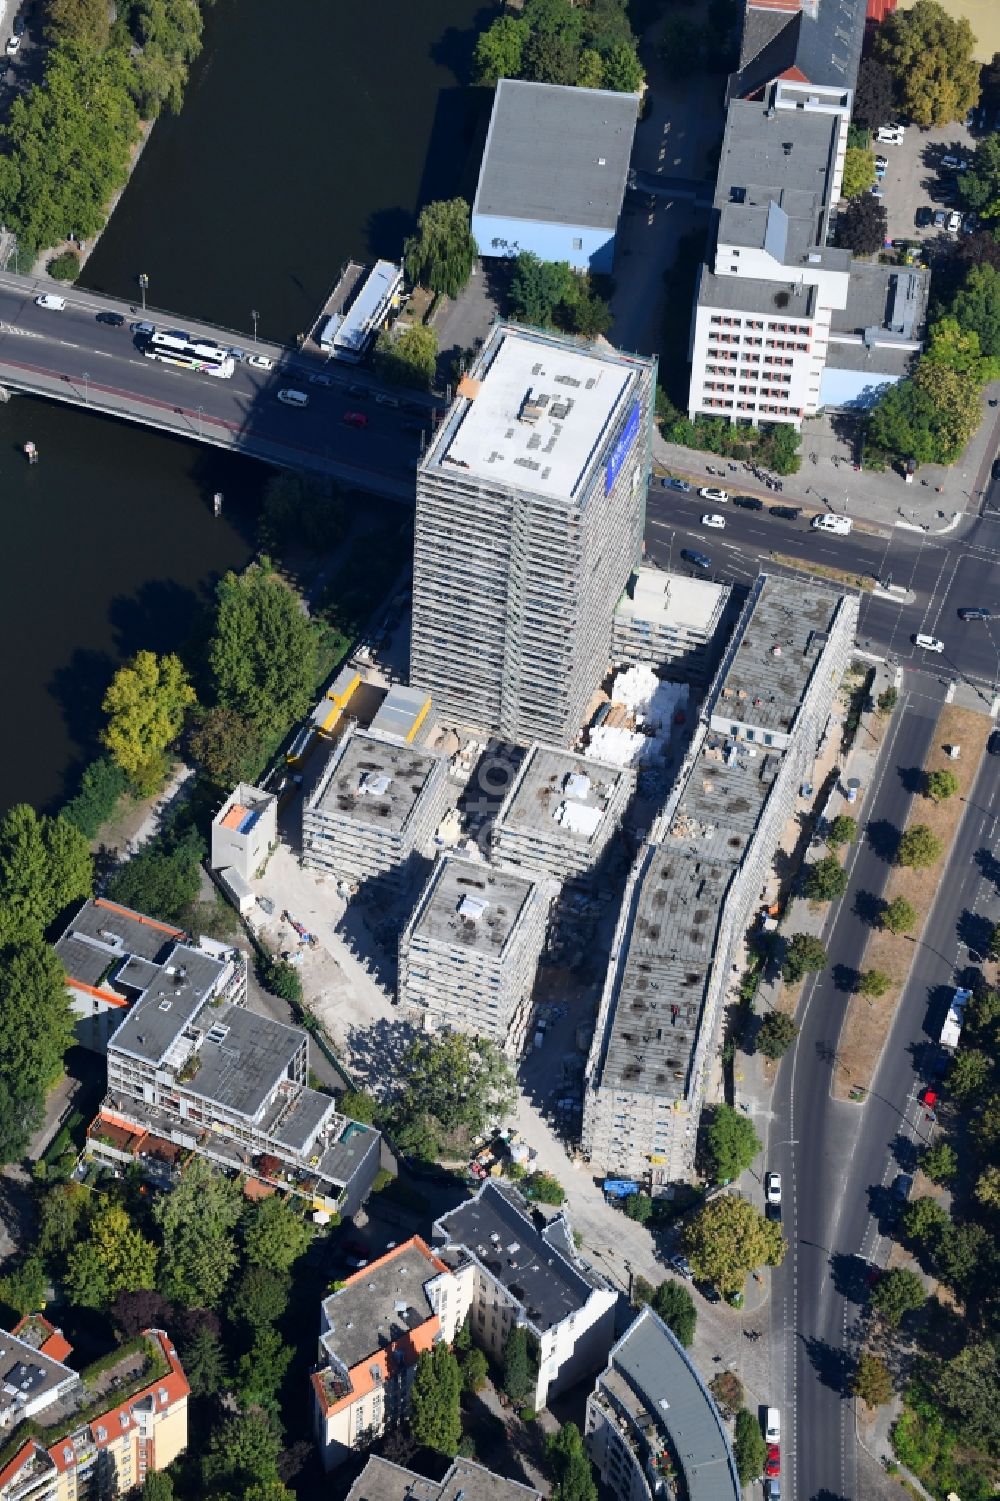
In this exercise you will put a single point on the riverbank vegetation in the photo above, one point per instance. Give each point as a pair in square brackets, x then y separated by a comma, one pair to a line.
[68, 142]
[555, 41]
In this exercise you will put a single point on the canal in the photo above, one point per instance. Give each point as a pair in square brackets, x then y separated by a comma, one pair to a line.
[311, 133]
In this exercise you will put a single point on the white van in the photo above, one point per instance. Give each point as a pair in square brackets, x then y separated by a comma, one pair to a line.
[772, 1426]
[890, 135]
[50, 300]
[293, 398]
[839, 524]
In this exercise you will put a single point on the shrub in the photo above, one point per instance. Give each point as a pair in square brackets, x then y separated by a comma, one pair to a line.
[887, 700]
[941, 785]
[64, 267]
[749, 1449]
[874, 982]
[102, 784]
[872, 1381]
[281, 979]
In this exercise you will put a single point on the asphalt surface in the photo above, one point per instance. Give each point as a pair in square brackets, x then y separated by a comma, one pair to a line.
[96, 364]
[944, 572]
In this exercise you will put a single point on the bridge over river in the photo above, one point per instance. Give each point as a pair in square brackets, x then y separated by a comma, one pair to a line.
[71, 355]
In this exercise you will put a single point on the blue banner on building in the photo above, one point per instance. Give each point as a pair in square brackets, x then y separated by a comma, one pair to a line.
[620, 452]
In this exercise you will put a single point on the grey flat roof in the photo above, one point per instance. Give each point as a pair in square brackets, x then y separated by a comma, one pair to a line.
[551, 784]
[879, 295]
[557, 153]
[471, 905]
[177, 993]
[299, 1123]
[26, 1372]
[670, 1394]
[102, 935]
[876, 360]
[380, 1480]
[379, 1304]
[671, 599]
[745, 294]
[531, 1264]
[342, 1158]
[243, 1059]
[374, 780]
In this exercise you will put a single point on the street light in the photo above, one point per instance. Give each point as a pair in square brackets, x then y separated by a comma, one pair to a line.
[143, 285]
[254, 315]
[201, 413]
[86, 387]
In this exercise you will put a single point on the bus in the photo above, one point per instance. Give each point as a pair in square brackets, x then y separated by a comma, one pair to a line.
[190, 354]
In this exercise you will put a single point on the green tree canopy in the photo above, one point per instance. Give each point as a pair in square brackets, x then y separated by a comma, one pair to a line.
[169, 32]
[728, 1238]
[263, 654]
[146, 704]
[499, 50]
[675, 1305]
[623, 72]
[941, 785]
[25, 1289]
[842, 830]
[275, 1234]
[957, 349]
[407, 358]
[859, 171]
[925, 1221]
[101, 786]
[682, 45]
[872, 1380]
[966, 1389]
[731, 1143]
[940, 1162]
[862, 225]
[205, 1364]
[920, 846]
[162, 879]
[826, 880]
[301, 509]
[888, 699]
[226, 746]
[259, 1296]
[518, 1367]
[475, 1371]
[61, 1212]
[197, 1219]
[455, 1084]
[804, 954]
[114, 1258]
[81, 24]
[897, 1293]
[45, 865]
[976, 304]
[36, 1024]
[899, 915]
[569, 1465]
[874, 982]
[929, 54]
[980, 185]
[749, 1448]
[538, 287]
[544, 1187]
[970, 1073]
[242, 1451]
[442, 253]
[357, 1105]
[776, 1034]
[262, 1369]
[874, 94]
[435, 1413]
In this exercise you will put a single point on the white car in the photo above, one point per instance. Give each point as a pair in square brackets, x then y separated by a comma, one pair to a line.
[928, 643]
[772, 1188]
[50, 300]
[13, 45]
[890, 135]
[954, 221]
[710, 493]
[293, 398]
[260, 362]
[717, 521]
[772, 1426]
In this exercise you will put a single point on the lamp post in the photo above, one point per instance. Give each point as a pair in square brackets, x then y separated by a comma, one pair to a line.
[255, 316]
[86, 387]
[201, 413]
[143, 285]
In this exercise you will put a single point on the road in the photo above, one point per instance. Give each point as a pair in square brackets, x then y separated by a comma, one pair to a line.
[839, 1160]
[71, 356]
[944, 573]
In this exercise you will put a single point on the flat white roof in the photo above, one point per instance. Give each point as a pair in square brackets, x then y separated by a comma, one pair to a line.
[509, 434]
[673, 599]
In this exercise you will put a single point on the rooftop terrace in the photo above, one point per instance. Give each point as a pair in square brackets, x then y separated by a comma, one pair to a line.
[373, 780]
[560, 795]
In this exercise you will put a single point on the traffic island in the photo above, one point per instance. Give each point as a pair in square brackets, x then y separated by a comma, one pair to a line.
[869, 1017]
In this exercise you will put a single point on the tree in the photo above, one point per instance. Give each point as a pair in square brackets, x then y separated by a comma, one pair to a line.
[731, 1143]
[862, 226]
[572, 1476]
[537, 288]
[897, 1293]
[84, 24]
[987, 1188]
[966, 1390]
[262, 1369]
[146, 704]
[518, 1373]
[675, 1305]
[887, 700]
[843, 830]
[260, 1296]
[681, 47]
[162, 879]
[591, 71]
[941, 785]
[552, 49]
[281, 979]
[143, 1308]
[623, 71]
[26, 1288]
[241, 1452]
[442, 253]
[928, 417]
[728, 1238]
[300, 508]
[275, 1234]
[226, 746]
[826, 880]
[925, 1221]
[749, 1448]
[455, 1082]
[408, 358]
[357, 1105]
[22, 1111]
[920, 846]
[872, 1380]
[993, 947]
[980, 185]
[101, 786]
[859, 171]
[965, 1256]
[60, 1215]
[545, 1188]
[776, 1035]
[45, 865]
[940, 1162]
[899, 915]
[930, 57]
[197, 1220]
[727, 1389]
[804, 954]
[157, 1486]
[874, 94]
[205, 1363]
[435, 1397]
[263, 654]
[475, 1371]
[499, 50]
[114, 1258]
[639, 1207]
[874, 982]
[36, 1024]
[957, 349]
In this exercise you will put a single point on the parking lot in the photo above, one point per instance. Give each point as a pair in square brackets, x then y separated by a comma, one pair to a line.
[915, 178]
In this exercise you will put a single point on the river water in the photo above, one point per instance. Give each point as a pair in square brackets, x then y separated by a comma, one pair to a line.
[310, 135]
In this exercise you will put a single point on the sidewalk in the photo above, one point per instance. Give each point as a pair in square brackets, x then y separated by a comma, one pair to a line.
[935, 502]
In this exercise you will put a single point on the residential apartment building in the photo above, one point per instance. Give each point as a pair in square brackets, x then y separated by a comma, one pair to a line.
[694, 885]
[378, 802]
[373, 1331]
[774, 291]
[511, 1270]
[190, 1069]
[380, 1480]
[68, 1451]
[530, 502]
[670, 621]
[560, 812]
[468, 955]
[653, 1429]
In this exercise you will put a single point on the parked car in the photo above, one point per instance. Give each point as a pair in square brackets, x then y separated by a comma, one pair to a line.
[928, 643]
[924, 216]
[940, 219]
[670, 482]
[359, 392]
[954, 222]
[902, 1186]
[993, 744]
[320, 379]
[772, 1464]
[113, 320]
[718, 522]
[955, 163]
[682, 1265]
[709, 492]
[13, 45]
[696, 559]
[355, 419]
[772, 1188]
[772, 1426]
[880, 170]
[976, 612]
[748, 502]
[772, 1490]
[890, 135]
[709, 1292]
[785, 513]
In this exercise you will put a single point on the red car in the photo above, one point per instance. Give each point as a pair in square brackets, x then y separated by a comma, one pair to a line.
[355, 419]
[772, 1464]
